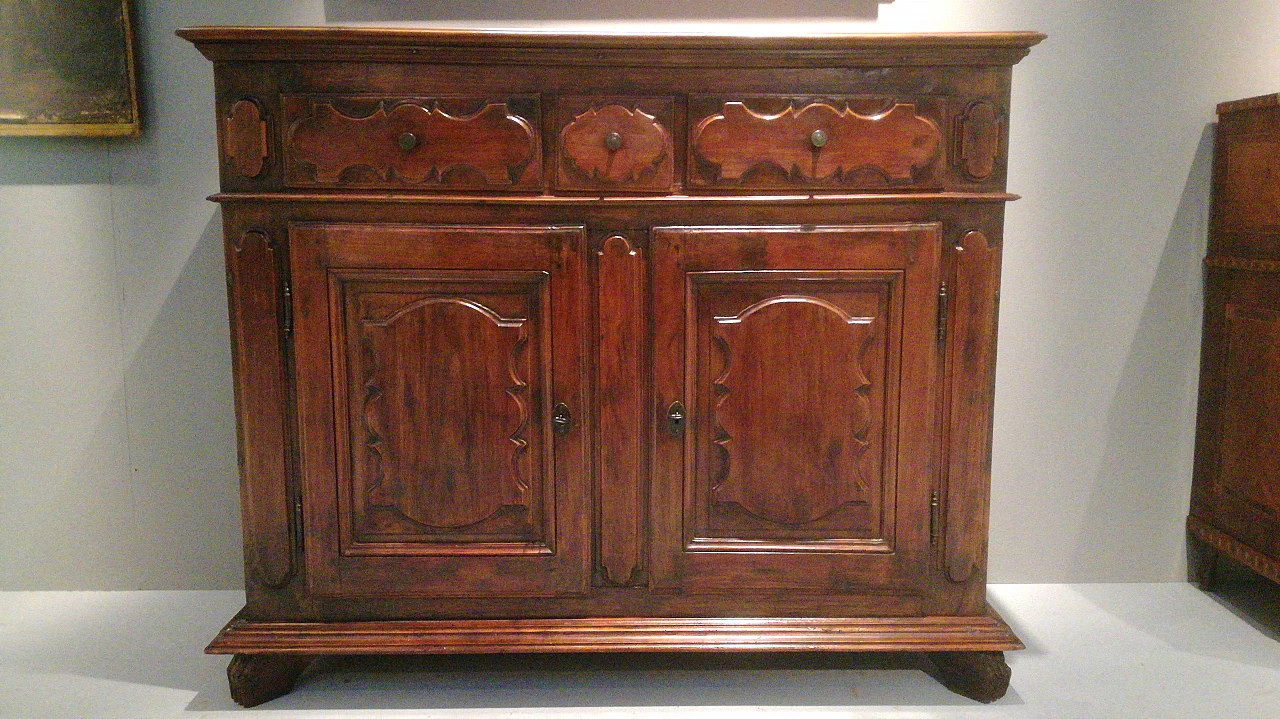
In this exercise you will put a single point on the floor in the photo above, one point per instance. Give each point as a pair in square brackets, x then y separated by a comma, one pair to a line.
[1129, 651]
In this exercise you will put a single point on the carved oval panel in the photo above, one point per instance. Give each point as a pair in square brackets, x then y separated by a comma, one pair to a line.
[246, 139]
[979, 140]
[815, 144]
[792, 418]
[615, 146]
[444, 410]
[411, 143]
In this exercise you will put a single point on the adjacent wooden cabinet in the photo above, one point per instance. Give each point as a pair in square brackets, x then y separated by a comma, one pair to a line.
[550, 343]
[1235, 500]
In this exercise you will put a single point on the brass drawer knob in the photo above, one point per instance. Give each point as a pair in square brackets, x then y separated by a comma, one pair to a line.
[819, 138]
[613, 142]
[408, 141]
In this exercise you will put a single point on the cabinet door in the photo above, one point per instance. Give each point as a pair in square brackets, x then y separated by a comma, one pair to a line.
[430, 364]
[806, 361]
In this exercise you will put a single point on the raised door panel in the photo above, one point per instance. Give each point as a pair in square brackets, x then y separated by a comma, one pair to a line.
[807, 360]
[1251, 415]
[430, 466]
[437, 377]
[1238, 473]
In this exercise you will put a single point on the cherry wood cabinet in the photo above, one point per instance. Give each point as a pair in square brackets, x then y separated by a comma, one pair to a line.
[550, 343]
[1235, 500]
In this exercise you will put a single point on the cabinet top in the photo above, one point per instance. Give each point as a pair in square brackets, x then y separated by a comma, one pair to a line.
[465, 47]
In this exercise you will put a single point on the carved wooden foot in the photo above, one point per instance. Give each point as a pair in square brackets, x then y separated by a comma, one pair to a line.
[259, 678]
[981, 676]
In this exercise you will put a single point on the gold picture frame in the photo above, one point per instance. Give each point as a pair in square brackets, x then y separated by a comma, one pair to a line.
[67, 68]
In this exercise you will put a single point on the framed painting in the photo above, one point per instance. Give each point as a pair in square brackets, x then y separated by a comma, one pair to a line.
[67, 68]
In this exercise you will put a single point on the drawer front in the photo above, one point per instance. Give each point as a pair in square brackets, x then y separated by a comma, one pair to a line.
[440, 144]
[618, 144]
[1245, 220]
[815, 143]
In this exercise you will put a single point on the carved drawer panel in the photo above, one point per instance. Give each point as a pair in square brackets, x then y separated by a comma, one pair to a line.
[820, 143]
[448, 143]
[620, 144]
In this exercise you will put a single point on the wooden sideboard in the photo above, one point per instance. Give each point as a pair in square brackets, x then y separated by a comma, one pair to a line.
[564, 343]
[1235, 499]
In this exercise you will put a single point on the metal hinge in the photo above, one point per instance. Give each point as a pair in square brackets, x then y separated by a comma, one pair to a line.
[934, 519]
[297, 523]
[942, 313]
[287, 311]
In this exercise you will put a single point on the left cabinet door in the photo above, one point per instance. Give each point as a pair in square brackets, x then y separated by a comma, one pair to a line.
[439, 403]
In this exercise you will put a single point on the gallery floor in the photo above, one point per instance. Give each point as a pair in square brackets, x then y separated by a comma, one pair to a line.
[1128, 651]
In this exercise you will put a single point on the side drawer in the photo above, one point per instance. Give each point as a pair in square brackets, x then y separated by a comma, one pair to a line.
[416, 143]
[816, 143]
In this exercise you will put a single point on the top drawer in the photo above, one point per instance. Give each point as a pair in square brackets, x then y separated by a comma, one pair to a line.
[439, 143]
[818, 143]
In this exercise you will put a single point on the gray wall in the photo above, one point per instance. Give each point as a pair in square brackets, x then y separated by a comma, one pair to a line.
[117, 439]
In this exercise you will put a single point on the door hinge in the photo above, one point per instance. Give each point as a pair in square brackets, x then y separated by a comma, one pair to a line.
[934, 519]
[942, 313]
[286, 312]
[297, 522]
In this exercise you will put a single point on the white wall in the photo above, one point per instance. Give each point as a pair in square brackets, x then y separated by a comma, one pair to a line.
[117, 441]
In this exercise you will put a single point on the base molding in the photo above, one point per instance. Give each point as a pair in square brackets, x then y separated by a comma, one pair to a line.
[1232, 547]
[618, 634]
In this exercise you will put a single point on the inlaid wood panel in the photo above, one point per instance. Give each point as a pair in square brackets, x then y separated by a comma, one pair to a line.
[412, 143]
[1250, 192]
[431, 464]
[776, 142]
[1251, 408]
[788, 345]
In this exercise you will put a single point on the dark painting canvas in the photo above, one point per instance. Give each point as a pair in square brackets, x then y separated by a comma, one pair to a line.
[66, 68]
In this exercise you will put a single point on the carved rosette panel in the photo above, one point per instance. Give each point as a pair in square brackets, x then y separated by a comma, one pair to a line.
[613, 146]
[245, 142]
[979, 136]
[440, 418]
[815, 144]
[409, 143]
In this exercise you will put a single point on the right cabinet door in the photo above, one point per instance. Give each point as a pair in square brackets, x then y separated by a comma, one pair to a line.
[795, 374]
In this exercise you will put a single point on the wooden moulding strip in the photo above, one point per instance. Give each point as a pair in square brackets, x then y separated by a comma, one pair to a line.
[1228, 262]
[424, 198]
[1234, 548]
[480, 636]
